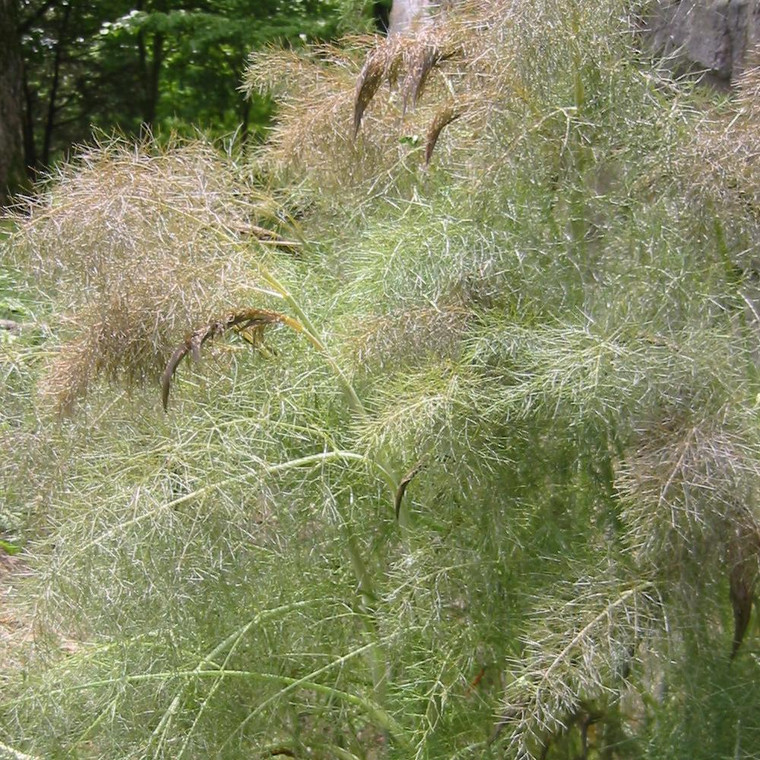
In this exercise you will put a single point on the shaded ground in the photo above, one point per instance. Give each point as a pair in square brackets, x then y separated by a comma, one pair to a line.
[14, 631]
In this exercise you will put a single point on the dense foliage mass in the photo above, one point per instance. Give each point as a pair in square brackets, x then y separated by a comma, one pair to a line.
[467, 462]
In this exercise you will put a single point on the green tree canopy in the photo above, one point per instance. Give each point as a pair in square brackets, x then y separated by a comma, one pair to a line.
[150, 64]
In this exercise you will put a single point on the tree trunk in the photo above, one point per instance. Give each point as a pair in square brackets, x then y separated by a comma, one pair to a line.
[407, 14]
[150, 71]
[53, 95]
[30, 143]
[154, 73]
[11, 104]
[150, 66]
[245, 118]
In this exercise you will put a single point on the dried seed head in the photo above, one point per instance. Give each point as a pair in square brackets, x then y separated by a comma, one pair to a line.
[138, 243]
[251, 320]
[443, 118]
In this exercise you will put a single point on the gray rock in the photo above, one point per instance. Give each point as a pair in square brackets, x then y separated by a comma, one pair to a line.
[717, 37]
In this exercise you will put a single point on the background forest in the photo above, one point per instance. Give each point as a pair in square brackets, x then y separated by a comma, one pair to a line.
[157, 66]
[424, 427]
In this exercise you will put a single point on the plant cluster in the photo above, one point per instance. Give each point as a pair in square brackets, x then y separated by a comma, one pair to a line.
[486, 487]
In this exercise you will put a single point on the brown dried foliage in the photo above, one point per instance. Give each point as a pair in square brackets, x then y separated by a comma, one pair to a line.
[410, 335]
[690, 495]
[376, 69]
[688, 480]
[335, 126]
[722, 163]
[414, 57]
[311, 133]
[443, 118]
[138, 244]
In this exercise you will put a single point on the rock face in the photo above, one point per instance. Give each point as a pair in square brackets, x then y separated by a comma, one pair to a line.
[719, 37]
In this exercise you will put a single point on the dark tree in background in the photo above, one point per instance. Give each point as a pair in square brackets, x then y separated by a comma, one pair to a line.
[11, 153]
[69, 67]
[381, 11]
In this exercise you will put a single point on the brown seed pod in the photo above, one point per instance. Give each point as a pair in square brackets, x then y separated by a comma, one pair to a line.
[253, 321]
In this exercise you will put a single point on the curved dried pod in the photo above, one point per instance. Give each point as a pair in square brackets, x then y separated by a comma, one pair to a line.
[743, 558]
[419, 58]
[382, 63]
[442, 119]
[253, 321]
[409, 58]
[404, 484]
